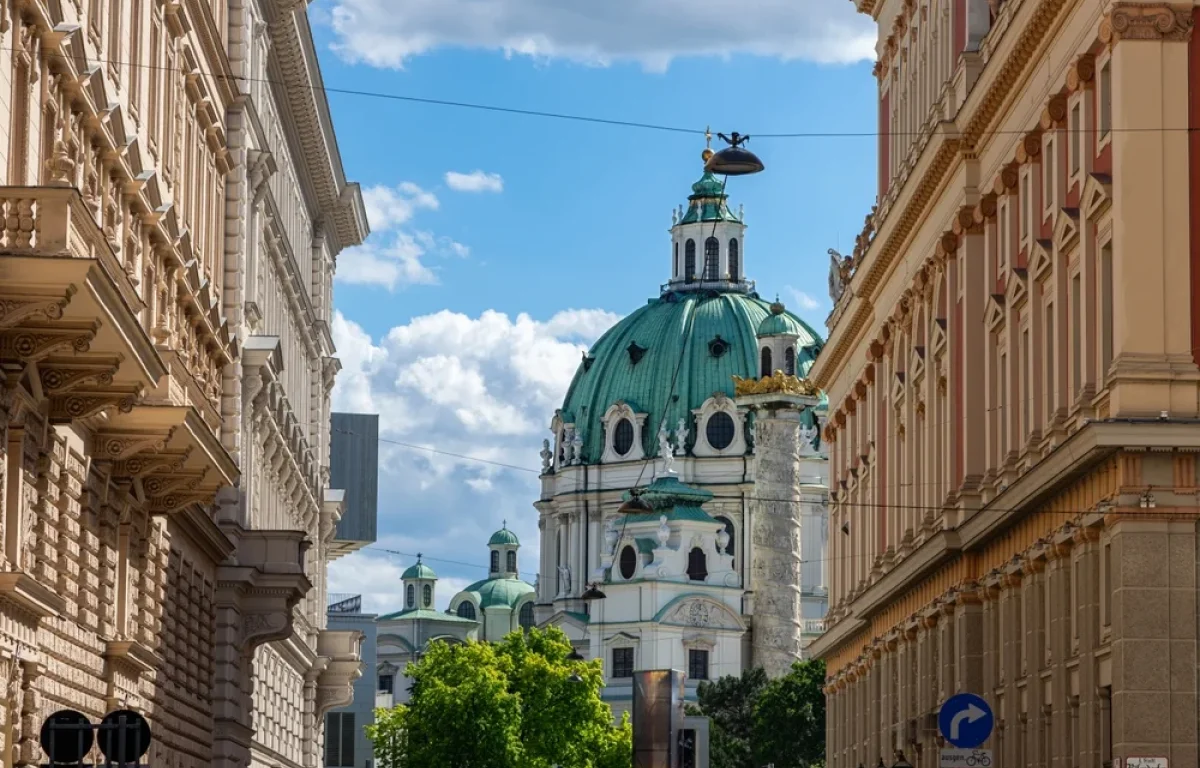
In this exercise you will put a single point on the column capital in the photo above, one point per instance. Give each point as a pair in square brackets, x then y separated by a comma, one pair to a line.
[1165, 22]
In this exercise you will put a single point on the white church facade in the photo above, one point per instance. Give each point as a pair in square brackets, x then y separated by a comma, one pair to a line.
[697, 403]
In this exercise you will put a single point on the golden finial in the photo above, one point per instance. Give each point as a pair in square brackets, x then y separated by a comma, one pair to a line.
[707, 153]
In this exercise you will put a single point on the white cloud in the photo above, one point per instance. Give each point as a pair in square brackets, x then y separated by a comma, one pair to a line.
[475, 181]
[394, 255]
[384, 33]
[803, 300]
[484, 387]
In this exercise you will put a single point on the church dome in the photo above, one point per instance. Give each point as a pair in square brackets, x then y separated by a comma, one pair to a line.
[493, 592]
[418, 571]
[780, 323]
[710, 335]
[504, 538]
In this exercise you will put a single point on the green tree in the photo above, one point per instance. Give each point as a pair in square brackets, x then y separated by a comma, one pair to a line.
[389, 737]
[517, 704]
[789, 719]
[729, 703]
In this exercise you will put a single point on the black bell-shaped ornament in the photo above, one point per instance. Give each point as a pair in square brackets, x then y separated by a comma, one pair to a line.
[734, 160]
[593, 593]
[636, 505]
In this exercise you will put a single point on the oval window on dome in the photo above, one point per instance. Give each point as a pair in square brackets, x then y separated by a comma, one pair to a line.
[628, 563]
[623, 437]
[719, 430]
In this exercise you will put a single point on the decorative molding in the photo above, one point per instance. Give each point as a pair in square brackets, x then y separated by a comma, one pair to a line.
[1165, 22]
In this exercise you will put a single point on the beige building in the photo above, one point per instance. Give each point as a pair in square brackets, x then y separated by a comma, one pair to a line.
[164, 515]
[1012, 379]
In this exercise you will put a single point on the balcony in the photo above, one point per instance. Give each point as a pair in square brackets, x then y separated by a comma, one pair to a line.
[812, 626]
[76, 316]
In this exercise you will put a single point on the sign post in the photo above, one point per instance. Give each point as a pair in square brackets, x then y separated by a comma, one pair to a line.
[966, 722]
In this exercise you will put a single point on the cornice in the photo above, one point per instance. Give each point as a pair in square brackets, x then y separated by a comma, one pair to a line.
[338, 201]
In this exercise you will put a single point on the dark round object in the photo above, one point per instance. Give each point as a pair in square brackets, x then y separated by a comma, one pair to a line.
[623, 437]
[635, 506]
[67, 736]
[734, 161]
[124, 743]
[719, 430]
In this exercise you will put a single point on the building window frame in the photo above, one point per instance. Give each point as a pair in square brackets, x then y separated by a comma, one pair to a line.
[719, 403]
[1104, 94]
[612, 417]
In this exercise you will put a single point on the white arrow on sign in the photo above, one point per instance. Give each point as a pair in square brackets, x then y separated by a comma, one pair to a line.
[970, 714]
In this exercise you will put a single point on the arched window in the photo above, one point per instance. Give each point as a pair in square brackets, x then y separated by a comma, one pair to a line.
[525, 617]
[495, 561]
[512, 562]
[623, 437]
[676, 260]
[735, 260]
[725, 521]
[766, 361]
[719, 430]
[410, 596]
[689, 260]
[427, 595]
[466, 610]
[789, 361]
[712, 259]
[628, 562]
[697, 569]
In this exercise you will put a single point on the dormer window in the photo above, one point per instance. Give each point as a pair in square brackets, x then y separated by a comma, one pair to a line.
[466, 610]
[720, 430]
[623, 437]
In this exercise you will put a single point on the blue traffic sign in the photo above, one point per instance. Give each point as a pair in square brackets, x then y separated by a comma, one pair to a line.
[966, 720]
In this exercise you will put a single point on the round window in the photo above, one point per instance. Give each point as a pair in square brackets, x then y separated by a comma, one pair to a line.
[623, 437]
[719, 430]
[628, 563]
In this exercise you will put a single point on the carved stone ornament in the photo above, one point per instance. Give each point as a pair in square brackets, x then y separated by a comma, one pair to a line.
[1167, 22]
[700, 613]
[778, 382]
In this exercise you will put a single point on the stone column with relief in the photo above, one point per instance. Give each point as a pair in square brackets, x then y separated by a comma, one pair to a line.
[775, 516]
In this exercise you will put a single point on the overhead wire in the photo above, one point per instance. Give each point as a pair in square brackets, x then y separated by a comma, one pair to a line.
[565, 116]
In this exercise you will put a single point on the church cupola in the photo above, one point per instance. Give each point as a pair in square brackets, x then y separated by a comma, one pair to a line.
[777, 336]
[419, 583]
[707, 239]
[503, 558]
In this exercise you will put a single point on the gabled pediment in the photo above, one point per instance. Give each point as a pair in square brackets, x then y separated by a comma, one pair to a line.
[1097, 195]
[1041, 258]
[995, 311]
[1066, 228]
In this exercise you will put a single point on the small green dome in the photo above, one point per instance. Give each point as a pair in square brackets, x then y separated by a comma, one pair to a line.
[492, 592]
[708, 186]
[781, 323]
[418, 571]
[708, 202]
[504, 538]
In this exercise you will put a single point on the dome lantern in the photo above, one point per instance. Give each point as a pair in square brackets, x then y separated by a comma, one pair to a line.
[503, 558]
[420, 581]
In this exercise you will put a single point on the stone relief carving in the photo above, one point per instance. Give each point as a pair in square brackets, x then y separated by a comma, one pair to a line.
[702, 613]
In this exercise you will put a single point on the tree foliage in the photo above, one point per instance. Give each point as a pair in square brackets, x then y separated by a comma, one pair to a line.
[789, 718]
[755, 721]
[508, 705]
[729, 704]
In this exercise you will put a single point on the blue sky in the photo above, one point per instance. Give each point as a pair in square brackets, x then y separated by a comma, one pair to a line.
[504, 244]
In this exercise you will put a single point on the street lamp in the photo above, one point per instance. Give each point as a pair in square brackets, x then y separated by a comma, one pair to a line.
[636, 504]
[593, 593]
[734, 160]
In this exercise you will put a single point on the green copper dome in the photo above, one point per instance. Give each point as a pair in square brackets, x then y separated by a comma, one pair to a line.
[708, 202]
[418, 571]
[504, 538]
[780, 323]
[492, 592]
[714, 334]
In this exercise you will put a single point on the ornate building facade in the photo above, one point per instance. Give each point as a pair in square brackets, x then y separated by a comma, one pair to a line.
[725, 570]
[147, 559]
[288, 213]
[1012, 378]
